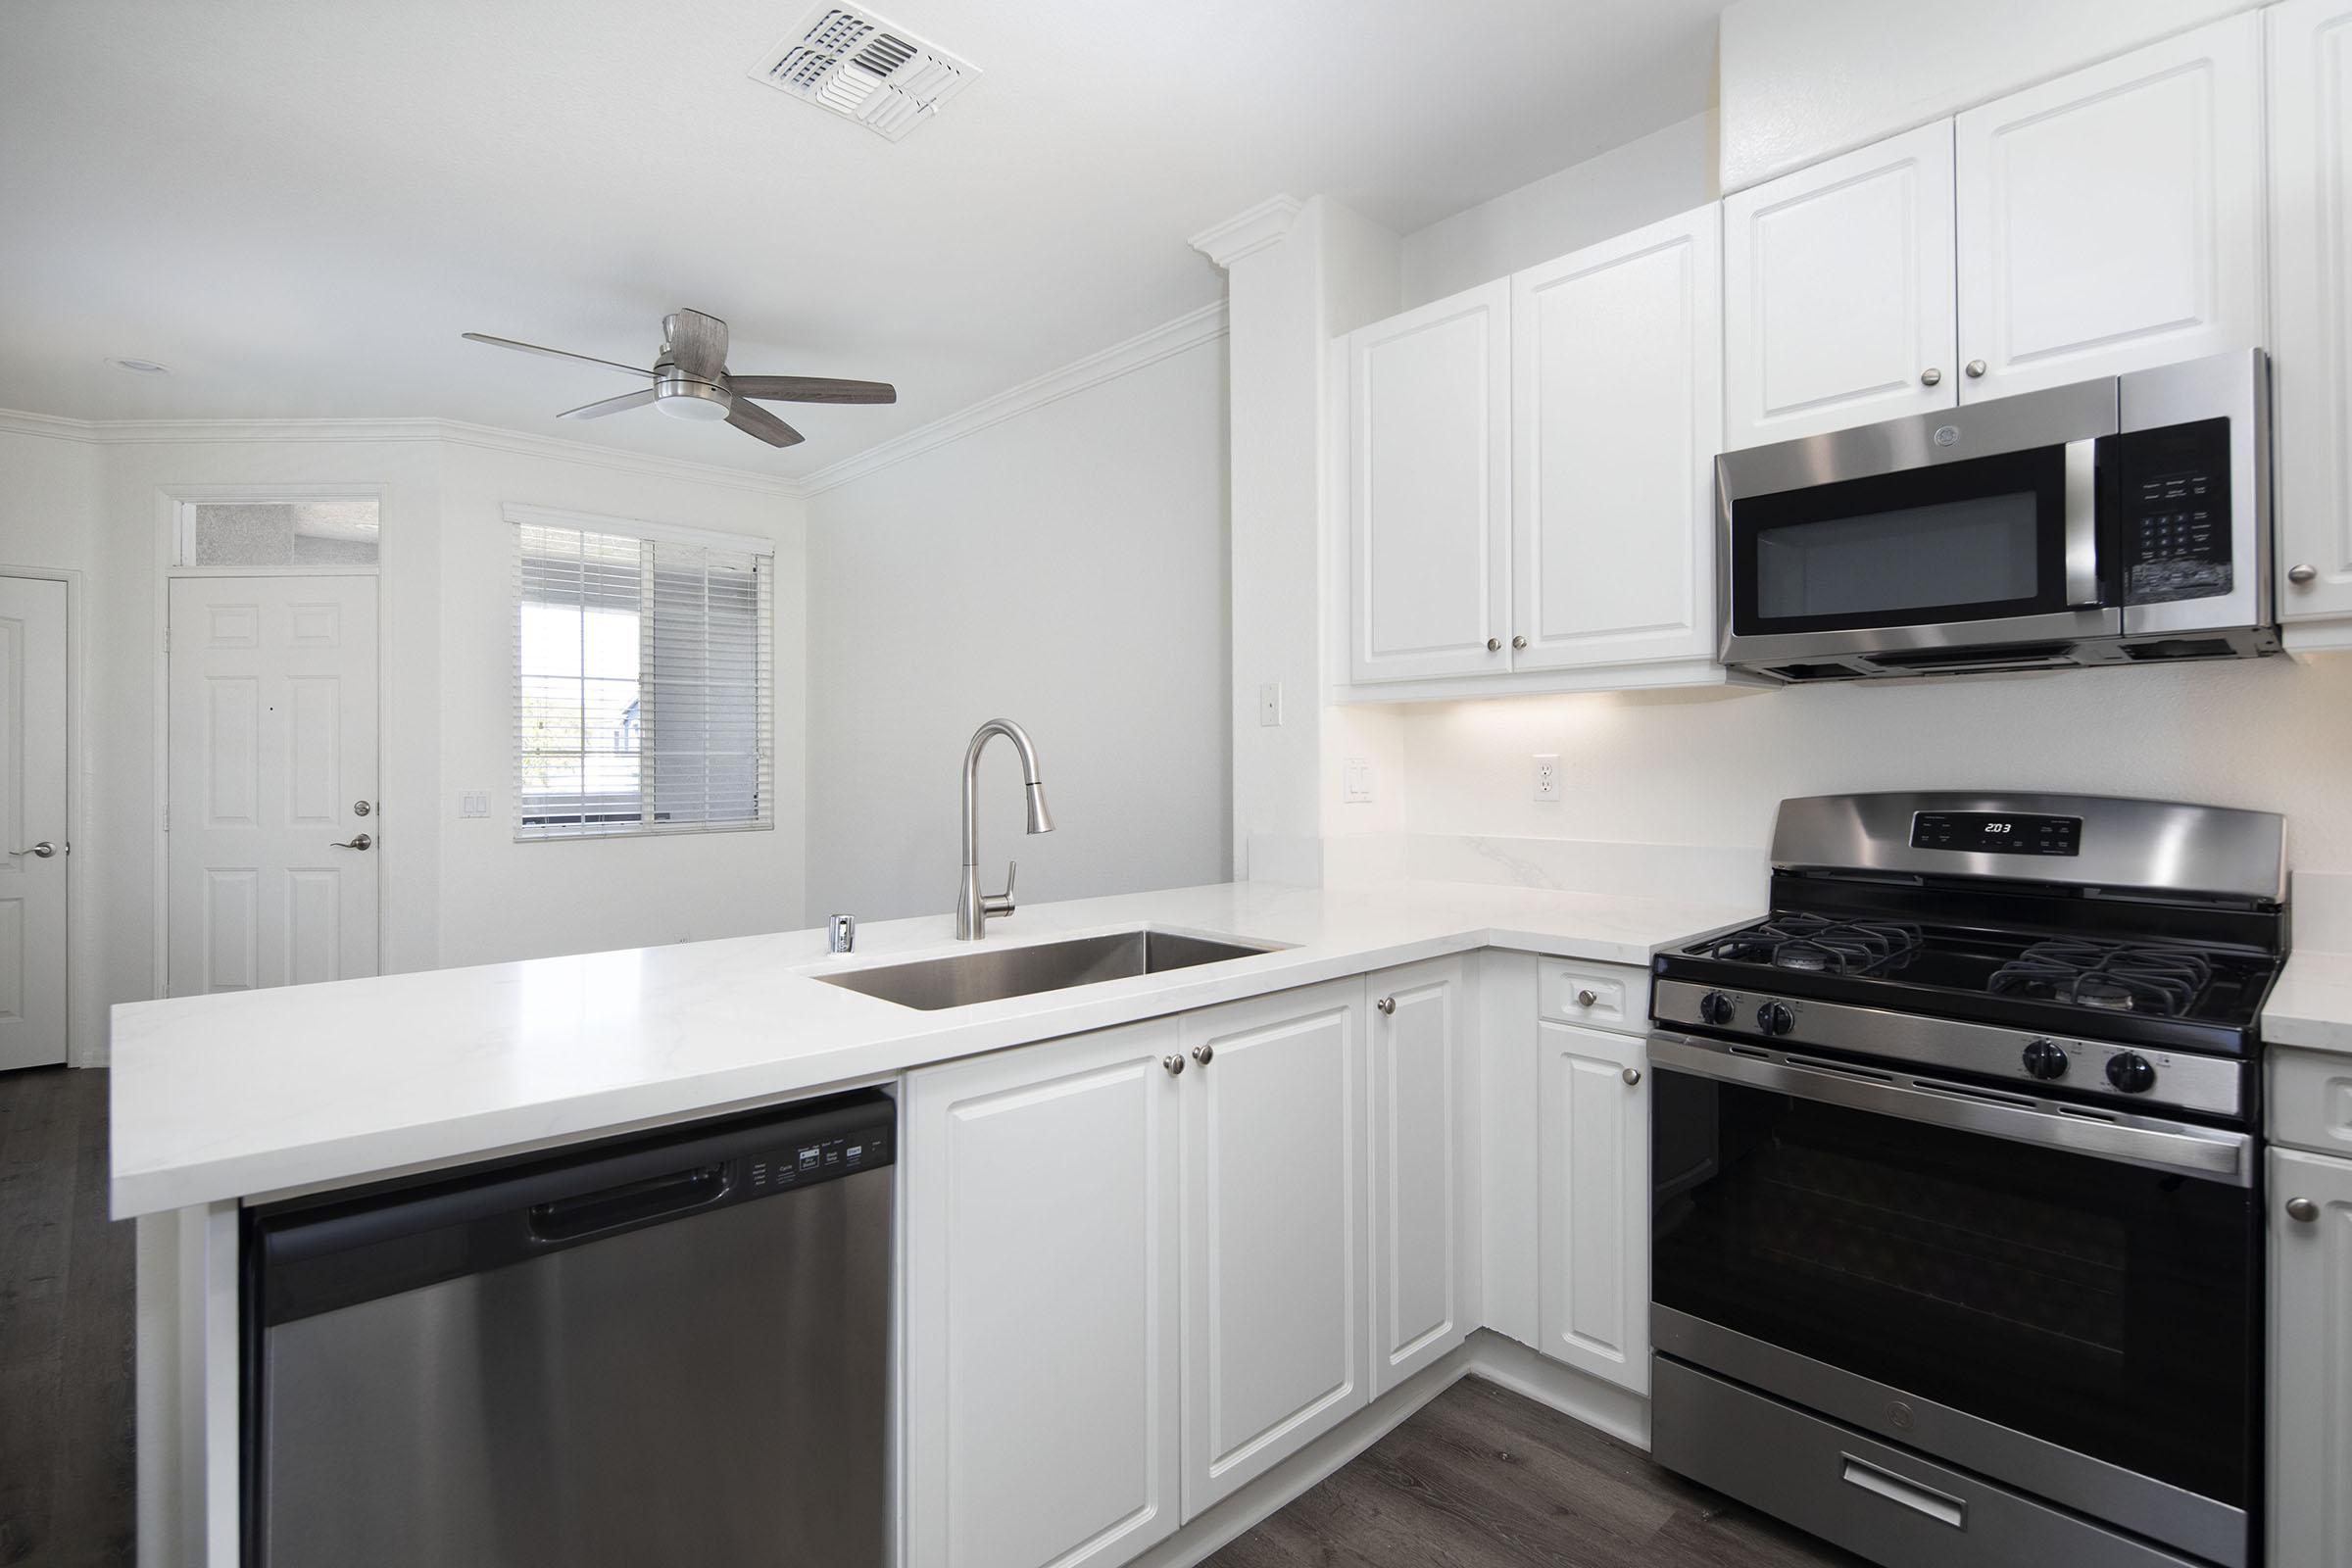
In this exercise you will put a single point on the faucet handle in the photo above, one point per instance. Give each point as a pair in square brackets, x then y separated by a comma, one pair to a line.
[999, 904]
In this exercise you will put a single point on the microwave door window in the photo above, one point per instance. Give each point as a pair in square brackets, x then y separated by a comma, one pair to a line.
[1982, 551]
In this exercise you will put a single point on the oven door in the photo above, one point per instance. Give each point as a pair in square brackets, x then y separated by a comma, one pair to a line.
[1911, 541]
[2048, 1298]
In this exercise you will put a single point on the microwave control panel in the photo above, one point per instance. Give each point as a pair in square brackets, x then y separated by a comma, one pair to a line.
[2174, 495]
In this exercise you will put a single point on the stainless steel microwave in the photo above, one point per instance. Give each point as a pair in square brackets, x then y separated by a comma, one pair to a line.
[2117, 521]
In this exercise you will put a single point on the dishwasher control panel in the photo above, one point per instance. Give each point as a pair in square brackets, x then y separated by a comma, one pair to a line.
[816, 1159]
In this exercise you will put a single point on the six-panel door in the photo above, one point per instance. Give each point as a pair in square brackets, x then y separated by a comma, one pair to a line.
[2311, 203]
[1429, 489]
[2111, 220]
[1617, 414]
[1839, 292]
[1592, 1297]
[1042, 1206]
[2311, 1360]
[1274, 1220]
[1423, 1209]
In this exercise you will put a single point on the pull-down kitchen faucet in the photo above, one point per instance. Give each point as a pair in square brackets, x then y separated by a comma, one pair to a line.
[973, 906]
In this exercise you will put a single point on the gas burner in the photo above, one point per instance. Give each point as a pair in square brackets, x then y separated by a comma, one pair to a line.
[1812, 942]
[2116, 976]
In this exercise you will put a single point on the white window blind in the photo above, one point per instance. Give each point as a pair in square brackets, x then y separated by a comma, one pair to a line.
[643, 693]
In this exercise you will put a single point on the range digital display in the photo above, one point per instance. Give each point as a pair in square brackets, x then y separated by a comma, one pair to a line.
[1992, 833]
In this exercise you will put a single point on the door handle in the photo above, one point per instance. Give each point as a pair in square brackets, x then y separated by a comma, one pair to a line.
[40, 851]
[358, 841]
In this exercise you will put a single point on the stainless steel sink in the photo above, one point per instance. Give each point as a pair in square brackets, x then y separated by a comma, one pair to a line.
[990, 974]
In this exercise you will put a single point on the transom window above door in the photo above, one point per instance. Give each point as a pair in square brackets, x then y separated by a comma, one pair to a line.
[327, 531]
[643, 679]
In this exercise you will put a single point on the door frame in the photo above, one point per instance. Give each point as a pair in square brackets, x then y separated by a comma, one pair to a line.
[80, 941]
[169, 502]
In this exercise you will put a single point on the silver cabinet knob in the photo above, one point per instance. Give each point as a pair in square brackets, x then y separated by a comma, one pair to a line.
[1518, 642]
[1386, 1004]
[1632, 1076]
[1205, 1054]
[1931, 376]
[1976, 368]
[2303, 1209]
[1586, 999]
[1494, 645]
[40, 851]
[358, 841]
[2302, 574]
[1174, 1064]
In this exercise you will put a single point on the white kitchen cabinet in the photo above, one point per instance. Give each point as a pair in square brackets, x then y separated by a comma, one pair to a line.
[1429, 489]
[2311, 258]
[2311, 1360]
[1042, 1210]
[1592, 1249]
[1274, 1281]
[1616, 418]
[1423, 1193]
[1839, 292]
[2112, 220]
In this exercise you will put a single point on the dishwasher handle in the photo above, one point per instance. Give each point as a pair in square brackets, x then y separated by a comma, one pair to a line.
[571, 1220]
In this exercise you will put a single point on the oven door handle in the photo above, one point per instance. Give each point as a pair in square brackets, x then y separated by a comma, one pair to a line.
[2142, 1141]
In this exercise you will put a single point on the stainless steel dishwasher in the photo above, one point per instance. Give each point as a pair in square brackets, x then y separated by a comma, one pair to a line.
[667, 1349]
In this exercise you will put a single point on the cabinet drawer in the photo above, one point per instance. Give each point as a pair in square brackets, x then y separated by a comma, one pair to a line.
[2310, 1100]
[1620, 995]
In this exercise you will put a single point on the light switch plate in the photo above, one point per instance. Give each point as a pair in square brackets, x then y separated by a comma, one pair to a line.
[1360, 778]
[1269, 702]
[474, 803]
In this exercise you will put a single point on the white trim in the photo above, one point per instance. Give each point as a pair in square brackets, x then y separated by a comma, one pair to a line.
[1249, 231]
[748, 544]
[1189, 331]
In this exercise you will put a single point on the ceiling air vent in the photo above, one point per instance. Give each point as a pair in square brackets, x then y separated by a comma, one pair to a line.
[861, 66]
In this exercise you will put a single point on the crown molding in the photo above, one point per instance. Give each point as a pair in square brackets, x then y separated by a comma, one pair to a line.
[1245, 233]
[1189, 331]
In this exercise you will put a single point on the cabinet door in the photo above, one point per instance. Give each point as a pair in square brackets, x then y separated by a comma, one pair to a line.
[1429, 489]
[1042, 1205]
[1593, 1297]
[1617, 415]
[2311, 252]
[1839, 292]
[2112, 220]
[1423, 1032]
[2311, 1361]
[1273, 1246]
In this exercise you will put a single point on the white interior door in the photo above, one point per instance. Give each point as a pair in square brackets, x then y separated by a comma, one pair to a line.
[32, 820]
[272, 782]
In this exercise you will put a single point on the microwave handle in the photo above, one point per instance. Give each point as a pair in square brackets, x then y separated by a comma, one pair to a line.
[2083, 586]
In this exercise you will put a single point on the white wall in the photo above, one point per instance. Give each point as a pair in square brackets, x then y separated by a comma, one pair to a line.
[1802, 79]
[1065, 569]
[1668, 172]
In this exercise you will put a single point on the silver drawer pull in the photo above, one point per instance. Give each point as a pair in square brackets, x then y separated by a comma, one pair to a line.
[1938, 1506]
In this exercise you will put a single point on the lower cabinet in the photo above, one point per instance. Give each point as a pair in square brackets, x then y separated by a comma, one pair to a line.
[1424, 1203]
[2311, 1358]
[1592, 1250]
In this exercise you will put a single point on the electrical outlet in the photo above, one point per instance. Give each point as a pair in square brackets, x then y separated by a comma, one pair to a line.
[1269, 702]
[1547, 776]
[1359, 780]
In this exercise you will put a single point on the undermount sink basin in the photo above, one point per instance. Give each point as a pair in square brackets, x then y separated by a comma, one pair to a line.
[990, 974]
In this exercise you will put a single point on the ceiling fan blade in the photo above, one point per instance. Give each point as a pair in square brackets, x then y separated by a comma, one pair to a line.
[811, 389]
[698, 343]
[756, 420]
[597, 410]
[555, 354]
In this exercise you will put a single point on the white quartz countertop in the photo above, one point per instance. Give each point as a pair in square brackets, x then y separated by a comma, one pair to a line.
[2311, 1005]
[266, 1091]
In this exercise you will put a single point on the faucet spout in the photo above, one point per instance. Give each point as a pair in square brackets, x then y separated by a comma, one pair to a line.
[972, 905]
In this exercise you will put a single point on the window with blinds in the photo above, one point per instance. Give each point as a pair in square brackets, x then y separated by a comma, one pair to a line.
[644, 694]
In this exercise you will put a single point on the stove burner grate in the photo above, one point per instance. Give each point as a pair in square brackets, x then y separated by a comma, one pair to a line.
[1815, 943]
[2118, 976]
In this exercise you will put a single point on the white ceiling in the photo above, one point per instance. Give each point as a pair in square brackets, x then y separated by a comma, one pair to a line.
[298, 205]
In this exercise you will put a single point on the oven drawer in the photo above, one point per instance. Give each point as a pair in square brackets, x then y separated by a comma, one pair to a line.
[2310, 1100]
[1884, 1502]
[1620, 995]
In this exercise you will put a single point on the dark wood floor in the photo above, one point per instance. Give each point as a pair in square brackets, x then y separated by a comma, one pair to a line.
[66, 1467]
[1482, 1478]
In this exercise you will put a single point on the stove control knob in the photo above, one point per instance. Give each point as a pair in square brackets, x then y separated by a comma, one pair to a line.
[1717, 1008]
[2045, 1059]
[1774, 1019]
[2130, 1071]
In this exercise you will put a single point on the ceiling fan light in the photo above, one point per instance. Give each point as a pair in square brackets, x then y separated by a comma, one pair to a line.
[682, 396]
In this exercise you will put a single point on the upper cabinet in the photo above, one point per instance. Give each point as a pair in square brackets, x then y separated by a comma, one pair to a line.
[1616, 418]
[1838, 293]
[2112, 220]
[1429, 489]
[2311, 203]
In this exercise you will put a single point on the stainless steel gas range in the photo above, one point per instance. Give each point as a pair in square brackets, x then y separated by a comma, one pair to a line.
[1957, 1249]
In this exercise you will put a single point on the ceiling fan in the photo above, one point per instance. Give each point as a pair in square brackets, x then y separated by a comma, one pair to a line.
[690, 382]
